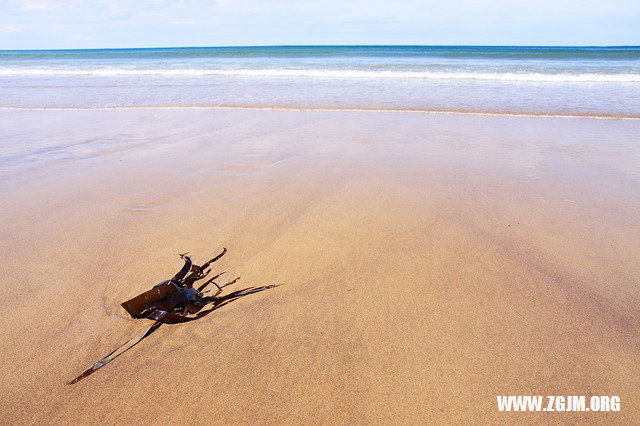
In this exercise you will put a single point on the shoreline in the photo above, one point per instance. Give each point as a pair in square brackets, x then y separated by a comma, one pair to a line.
[320, 109]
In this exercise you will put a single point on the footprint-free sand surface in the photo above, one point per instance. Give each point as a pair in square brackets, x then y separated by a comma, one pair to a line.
[426, 263]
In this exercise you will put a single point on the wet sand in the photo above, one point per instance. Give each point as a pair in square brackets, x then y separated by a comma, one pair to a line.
[426, 263]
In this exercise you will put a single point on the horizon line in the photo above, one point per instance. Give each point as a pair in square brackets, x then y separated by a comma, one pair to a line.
[326, 45]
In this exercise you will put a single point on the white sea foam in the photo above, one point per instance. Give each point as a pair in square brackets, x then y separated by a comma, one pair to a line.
[325, 73]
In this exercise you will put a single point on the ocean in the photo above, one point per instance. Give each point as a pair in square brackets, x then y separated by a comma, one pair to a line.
[564, 81]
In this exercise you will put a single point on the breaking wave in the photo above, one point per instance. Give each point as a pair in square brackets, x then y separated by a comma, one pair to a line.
[325, 73]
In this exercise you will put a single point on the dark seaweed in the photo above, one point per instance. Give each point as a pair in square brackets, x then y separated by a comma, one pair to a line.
[175, 301]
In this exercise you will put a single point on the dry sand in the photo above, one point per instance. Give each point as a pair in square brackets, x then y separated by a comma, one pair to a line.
[426, 263]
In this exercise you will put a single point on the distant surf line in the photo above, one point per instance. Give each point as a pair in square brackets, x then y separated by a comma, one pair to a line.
[321, 109]
[531, 77]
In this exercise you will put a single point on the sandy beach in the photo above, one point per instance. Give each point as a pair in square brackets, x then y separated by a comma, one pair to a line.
[425, 264]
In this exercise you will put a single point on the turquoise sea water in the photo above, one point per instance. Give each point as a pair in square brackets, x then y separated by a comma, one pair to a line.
[539, 80]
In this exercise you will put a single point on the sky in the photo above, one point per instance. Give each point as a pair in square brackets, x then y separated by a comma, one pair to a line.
[57, 24]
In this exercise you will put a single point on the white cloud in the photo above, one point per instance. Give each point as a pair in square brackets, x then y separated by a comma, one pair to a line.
[11, 28]
[39, 5]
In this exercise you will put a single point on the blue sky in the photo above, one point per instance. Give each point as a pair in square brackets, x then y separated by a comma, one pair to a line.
[53, 24]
